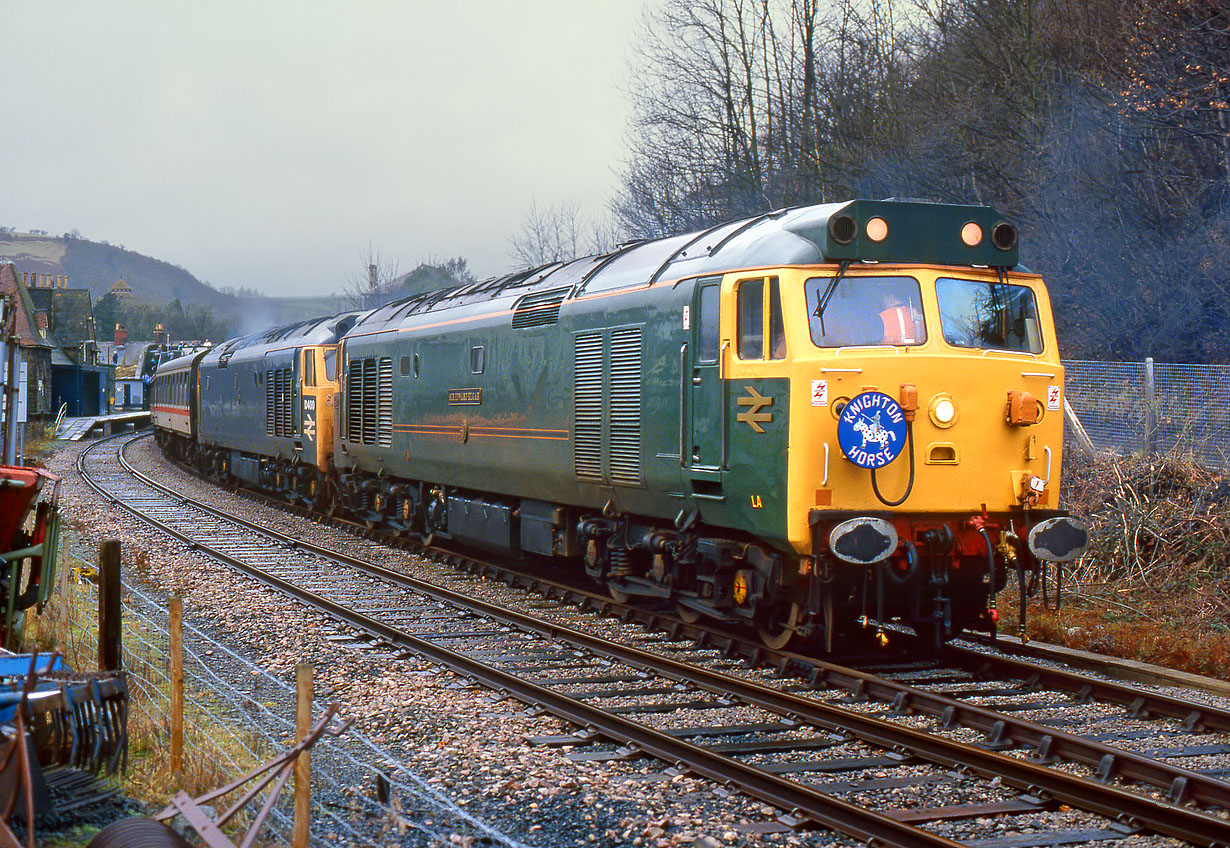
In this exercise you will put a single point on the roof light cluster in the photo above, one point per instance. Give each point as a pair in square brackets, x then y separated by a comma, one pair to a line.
[844, 228]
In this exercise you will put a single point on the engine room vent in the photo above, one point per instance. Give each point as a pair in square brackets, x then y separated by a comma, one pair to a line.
[279, 399]
[625, 406]
[369, 402]
[607, 406]
[538, 309]
[587, 407]
[384, 412]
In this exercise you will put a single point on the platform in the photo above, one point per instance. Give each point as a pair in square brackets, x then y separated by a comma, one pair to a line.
[73, 429]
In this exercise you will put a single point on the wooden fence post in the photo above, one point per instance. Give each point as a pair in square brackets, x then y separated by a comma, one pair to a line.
[303, 765]
[176, 627]
[110, 620]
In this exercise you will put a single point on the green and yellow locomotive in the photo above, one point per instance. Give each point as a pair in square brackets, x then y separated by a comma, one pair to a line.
[809, 421]
[803, 421]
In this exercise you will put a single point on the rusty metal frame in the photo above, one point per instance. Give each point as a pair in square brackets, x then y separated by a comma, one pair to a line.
[277, 771]
[25, 778]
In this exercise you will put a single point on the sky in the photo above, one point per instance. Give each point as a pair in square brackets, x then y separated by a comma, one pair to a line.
[276, 145]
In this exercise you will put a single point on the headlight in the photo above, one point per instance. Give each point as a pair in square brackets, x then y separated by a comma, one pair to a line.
[942, 410]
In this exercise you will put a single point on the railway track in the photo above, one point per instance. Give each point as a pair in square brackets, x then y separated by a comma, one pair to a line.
[842, 748]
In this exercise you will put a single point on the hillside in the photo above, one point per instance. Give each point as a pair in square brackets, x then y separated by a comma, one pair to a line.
[155, 284]
[94, 266]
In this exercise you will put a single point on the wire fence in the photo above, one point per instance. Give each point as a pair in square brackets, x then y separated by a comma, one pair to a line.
[1156, 407]
[238, 716]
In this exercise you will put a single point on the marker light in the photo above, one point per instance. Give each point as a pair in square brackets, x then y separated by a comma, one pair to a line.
[971, 234]
[877, 229]
[942, 410]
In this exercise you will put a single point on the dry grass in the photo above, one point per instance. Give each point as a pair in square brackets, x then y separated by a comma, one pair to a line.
[216, 750]
[1155, 584]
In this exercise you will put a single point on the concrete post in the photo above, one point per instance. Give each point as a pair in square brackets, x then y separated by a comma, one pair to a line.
[1150, 444]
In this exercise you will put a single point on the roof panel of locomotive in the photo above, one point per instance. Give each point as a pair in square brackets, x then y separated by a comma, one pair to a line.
[752, 242]
[316, 331]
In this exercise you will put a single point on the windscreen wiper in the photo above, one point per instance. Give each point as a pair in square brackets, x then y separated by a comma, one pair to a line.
[822, 302]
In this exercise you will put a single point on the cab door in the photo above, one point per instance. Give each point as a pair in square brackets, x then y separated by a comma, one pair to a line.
[704, 445]
[306, 417]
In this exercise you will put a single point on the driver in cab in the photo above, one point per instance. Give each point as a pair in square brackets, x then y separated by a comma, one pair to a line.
[903, 323]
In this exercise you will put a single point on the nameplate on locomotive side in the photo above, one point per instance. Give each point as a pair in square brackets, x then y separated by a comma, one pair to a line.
[465, 397]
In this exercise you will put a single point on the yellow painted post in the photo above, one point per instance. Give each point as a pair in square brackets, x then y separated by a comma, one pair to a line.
[303, 765]
[176, 628]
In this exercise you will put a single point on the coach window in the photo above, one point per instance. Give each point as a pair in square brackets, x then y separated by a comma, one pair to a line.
[476, 360]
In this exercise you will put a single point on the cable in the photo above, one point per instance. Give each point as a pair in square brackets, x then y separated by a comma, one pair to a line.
[909, 434]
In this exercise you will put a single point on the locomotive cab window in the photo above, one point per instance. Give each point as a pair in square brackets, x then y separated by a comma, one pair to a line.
[708, 328]
[330, 365]
[760, 317]
[994, 316]
[309, 367]
[865, 311]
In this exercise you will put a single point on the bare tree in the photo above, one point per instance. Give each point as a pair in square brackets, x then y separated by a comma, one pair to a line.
[558, 234]
[373, 284]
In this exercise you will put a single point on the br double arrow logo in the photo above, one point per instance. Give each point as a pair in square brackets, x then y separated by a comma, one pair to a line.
[753, 417]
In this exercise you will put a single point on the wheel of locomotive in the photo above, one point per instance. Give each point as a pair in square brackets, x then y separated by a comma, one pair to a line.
[378, 505]
[685, 612]
[617, 596]
[309, 488]
[328, 505]
[779, 634]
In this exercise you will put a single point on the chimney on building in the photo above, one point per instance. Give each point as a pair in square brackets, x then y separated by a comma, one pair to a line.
[121, 334]
[160, 335]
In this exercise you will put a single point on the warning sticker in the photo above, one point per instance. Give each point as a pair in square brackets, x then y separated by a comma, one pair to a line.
[1053, 401]
[819, 392]
[687, 317]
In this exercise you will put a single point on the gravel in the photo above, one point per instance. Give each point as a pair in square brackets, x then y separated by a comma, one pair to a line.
[459, 752]
[441, 732]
